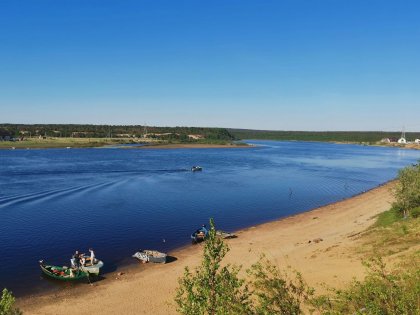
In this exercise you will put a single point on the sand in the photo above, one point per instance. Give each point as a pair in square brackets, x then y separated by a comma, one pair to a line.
[149, 289]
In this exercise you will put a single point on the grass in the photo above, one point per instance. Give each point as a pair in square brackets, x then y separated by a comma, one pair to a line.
[63, 143]
[391, 235]
[387, 218]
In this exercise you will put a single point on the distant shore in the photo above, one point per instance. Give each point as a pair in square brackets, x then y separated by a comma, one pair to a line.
[72, 143]
[149, 289]
[129, 143]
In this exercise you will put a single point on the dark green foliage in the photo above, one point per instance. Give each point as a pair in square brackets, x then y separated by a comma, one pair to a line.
[7, 304]
[211, 288]
[382, 292]
[415, 212]
[104, 131]
[339, 136]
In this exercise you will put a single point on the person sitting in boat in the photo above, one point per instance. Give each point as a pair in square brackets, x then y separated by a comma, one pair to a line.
[75, 260]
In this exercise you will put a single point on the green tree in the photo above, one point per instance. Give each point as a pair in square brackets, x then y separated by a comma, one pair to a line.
[212, 289]
[7, 304]
[407, 190]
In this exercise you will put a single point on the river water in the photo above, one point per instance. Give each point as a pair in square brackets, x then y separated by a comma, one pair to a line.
[119, 200]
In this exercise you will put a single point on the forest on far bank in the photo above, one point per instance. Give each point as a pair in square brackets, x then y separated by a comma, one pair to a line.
[338, 136]
[192, 133]
[111, 131]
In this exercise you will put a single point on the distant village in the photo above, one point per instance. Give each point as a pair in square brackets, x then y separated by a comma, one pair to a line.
[401, 140]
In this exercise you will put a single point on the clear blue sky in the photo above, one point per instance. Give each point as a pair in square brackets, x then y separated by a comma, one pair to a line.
[285, 65]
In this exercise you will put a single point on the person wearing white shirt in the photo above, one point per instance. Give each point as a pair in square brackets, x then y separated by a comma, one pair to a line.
[92, 256]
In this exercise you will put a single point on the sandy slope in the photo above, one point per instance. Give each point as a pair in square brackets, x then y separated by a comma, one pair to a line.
[149, 289]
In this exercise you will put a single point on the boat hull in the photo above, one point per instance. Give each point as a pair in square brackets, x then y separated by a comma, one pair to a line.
[93, 269]
[63, 273]
[151, 256]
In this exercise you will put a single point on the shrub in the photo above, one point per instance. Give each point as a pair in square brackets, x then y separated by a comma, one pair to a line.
[407, 190]
[382, 292]
[7, 302]
[415, 213]
[274, 292]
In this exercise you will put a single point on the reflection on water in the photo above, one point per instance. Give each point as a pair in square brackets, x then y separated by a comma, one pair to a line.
[55, 201]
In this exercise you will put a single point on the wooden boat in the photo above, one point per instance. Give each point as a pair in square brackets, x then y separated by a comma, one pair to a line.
[224, 234]
[196, 169]
[63, 273]
[150, 256]
[198, 236]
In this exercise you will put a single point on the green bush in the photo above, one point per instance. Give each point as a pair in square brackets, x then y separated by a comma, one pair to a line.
[415, 213]
[381, 292]
[7, 304]
[407, 190]
[274, 292]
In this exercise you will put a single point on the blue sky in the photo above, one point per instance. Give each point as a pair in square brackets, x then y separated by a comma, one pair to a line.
[284, 65]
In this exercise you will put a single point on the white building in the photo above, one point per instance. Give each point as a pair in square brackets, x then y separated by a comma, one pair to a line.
[417, 141]
[402, 140]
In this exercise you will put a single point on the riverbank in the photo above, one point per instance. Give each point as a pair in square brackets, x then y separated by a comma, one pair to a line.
[126, 143]
[320, 243]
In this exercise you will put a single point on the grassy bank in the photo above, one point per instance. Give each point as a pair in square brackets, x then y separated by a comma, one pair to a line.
[61, 143]
[101, 142]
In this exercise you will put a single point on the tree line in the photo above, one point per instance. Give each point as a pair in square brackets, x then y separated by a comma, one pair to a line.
[105, 131]
[339, 136]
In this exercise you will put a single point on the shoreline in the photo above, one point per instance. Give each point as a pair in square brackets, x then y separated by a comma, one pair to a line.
[257, 239]
[141, 146]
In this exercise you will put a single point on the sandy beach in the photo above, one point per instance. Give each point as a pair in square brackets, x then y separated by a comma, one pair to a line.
[149, 289]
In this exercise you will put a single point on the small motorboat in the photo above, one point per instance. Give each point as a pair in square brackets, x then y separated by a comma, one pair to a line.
[224, 234]
[92, 268]
[63, 273]
[199, 235]
[196, 169]
[147, 255]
